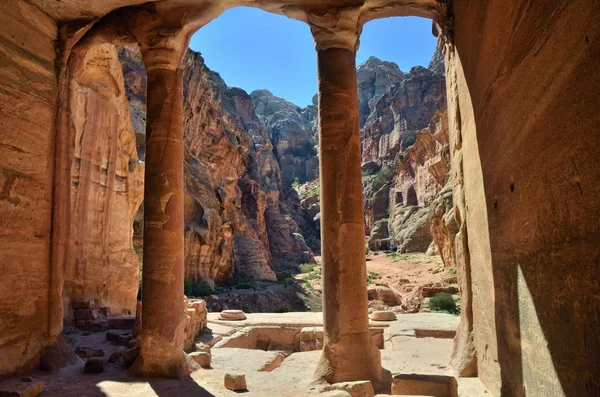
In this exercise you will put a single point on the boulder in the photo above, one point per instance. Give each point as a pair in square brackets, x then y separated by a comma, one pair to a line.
[384, 294]
[94, 365]
[122, 323]
[202, 358]
[235, 382]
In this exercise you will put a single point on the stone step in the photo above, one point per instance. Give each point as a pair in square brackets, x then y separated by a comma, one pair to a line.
[427, 385]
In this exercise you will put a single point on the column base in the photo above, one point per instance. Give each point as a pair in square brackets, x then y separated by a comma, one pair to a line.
[350, 359]
[158, 360]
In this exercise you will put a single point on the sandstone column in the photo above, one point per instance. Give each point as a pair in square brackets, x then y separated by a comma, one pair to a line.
[348, 353]
[163, 316]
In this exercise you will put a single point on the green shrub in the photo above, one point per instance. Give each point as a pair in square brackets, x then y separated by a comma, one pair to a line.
[383, 176]
[296, 183]
[366, 249]
[443, 302]
[309, 287]
[191, 288]
[282, 275]
[312, 276]
[283, 309]
[306, 267]
[244, 286]
[372, 276]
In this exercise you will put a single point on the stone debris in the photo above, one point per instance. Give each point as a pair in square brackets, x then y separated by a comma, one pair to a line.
[232, 315]
[235, 382]
[383, 315]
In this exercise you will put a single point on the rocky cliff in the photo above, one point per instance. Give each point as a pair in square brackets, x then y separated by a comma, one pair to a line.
[235, 224]
[405, 109]
[292, 131]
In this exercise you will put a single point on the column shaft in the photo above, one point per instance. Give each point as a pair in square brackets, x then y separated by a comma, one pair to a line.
[349, 353]
[163, 312]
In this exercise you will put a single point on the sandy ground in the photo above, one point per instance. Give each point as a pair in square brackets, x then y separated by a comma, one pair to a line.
[403, 273]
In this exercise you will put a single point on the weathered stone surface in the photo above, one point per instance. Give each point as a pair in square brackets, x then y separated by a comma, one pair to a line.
[202, 358]
[28, 94]
[354, 389]
[235, 382]
[57, 356]
[106, 185]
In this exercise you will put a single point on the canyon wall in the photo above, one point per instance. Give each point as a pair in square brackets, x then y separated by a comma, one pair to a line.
[28, 92]
[527, 128]
[235, 223]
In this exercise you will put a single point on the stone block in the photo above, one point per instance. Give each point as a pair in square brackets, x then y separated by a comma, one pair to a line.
[362, 388]
[202, 358]
[429, 385]
[235, 382]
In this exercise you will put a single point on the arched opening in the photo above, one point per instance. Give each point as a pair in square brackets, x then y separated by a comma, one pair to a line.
[527, 224]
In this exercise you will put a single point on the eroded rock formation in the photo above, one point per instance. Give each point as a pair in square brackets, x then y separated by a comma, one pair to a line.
[235, 221]
[106, 186]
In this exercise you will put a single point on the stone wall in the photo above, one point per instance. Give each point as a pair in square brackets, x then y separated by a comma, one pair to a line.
[529, 160]
[28, 93]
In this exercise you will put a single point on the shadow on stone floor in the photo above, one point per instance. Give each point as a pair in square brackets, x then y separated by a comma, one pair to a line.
[176, 388]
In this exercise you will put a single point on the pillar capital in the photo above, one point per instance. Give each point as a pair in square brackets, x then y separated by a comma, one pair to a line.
[335, 28]
[160, 51]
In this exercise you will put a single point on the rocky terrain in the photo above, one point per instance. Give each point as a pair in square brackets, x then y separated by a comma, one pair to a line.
[236, 224]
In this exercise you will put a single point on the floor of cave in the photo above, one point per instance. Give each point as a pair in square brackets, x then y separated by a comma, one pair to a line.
[403, 351]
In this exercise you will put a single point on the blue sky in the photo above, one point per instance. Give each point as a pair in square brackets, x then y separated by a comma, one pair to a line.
[254, 49]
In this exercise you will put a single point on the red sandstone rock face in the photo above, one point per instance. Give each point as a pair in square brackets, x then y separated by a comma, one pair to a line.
[425, 166]
[401, 112]
[235, 223]
[106, 186]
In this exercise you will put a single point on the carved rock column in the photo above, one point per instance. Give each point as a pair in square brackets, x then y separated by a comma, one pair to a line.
[163, 311]
[348, 353]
